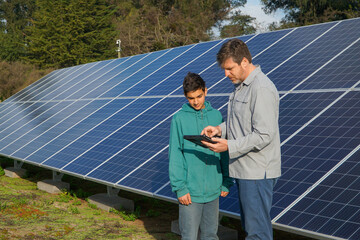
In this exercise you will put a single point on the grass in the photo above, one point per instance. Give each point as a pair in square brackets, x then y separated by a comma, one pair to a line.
[28, 213]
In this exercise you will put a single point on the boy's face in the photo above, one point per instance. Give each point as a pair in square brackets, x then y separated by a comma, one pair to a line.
[197, 98]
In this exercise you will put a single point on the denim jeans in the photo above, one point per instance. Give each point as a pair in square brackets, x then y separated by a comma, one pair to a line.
[199, 215]
[255, 198]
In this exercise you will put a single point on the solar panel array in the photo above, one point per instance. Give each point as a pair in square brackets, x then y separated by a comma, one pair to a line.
[109, 121]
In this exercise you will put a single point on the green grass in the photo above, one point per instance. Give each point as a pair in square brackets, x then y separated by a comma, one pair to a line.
[28, 213]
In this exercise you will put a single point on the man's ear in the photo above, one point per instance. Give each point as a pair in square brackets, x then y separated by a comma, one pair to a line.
[244, 63]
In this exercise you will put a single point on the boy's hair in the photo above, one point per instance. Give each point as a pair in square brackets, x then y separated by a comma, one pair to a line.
[193, 82]
[235, 49]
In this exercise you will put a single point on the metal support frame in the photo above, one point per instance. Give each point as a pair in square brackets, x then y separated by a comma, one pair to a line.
[57, 176]
[18, 164]
[112, 192]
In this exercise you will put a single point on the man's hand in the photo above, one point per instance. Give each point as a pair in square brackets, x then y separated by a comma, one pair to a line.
[221, 145]
[224, 194]
[185, 200]
[211, 131]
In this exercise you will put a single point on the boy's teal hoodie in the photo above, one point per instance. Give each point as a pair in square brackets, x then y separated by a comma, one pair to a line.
[192, 168]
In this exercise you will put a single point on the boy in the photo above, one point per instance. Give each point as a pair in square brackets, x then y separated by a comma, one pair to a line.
[198, 176]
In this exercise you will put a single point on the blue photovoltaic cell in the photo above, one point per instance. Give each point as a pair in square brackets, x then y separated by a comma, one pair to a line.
[120, 74]
[102, 134]
[161, 70]
[316, 56]
[144, 148]
[51, 89]
[133, 75]
[208, 68]
[80, 88]
[109, 121]
[181, 66]
[335, 201]
[26, 129]
[297, 109]
[331, 76]
[315, 150]
[288, 46]
[47, 130]
[57, 91]
[279, 53]
[23, 105]
[153, 143]
[17, 96]
[111, 70]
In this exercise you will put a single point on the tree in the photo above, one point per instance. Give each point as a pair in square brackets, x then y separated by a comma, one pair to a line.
[239, 25]
[70, 32]
[305, 12]
[14, 18]
[149, 25]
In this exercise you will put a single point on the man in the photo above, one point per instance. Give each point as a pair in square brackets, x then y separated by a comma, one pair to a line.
[198, 176]
[251, 136]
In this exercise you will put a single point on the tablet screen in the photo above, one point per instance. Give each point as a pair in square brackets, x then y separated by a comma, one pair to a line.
[198, 138]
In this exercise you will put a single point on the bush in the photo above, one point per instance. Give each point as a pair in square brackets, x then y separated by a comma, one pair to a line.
[16, 76]
[2, 172]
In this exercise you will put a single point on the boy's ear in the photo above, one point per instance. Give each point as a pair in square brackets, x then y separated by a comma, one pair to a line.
[205, 91]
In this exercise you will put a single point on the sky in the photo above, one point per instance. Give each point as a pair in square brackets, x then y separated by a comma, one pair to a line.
[253, 8]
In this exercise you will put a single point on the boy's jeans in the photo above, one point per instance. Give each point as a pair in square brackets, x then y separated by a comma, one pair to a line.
[203, 215]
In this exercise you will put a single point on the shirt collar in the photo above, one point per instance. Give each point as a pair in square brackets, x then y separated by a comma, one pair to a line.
[252, 75]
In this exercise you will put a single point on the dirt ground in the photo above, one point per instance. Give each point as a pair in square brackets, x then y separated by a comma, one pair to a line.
[28, 213]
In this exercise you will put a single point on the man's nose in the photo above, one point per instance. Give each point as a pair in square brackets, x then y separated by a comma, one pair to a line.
[226, 73]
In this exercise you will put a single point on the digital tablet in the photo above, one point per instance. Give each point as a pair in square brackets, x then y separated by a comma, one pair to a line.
[198, 138]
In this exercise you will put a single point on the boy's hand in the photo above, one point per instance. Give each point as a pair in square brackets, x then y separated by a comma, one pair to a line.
[211, 131]
[224, 194]
[221, 145]
[185, 200]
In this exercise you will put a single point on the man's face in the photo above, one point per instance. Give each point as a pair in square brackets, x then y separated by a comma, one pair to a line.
[197, 98]
[235, 72]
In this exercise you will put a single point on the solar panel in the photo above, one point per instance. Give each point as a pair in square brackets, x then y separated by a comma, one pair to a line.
[109, 121]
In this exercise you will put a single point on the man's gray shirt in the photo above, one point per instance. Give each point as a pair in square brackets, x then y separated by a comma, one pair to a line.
[252, 129]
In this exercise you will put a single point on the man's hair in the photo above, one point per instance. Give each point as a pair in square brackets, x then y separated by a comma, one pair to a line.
[235, 49]
[193, 82]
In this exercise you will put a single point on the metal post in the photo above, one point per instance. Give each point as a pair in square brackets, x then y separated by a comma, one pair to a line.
[57, 176]
[119, 48]
[18, 164]
[111, 192]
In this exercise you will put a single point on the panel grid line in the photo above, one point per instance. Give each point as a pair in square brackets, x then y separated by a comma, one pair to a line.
[114, 130]
[320, 113]
[315, 184]
[317, 70]
[3, 116]
[208, 95]
[68, 116]
[303, 48]
[146, 109]
[138, 167]
[81, 107]
[107, 117]
[58, 102]
[9, 102]
[39, 106]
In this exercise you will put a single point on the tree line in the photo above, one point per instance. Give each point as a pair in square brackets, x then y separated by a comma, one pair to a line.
[64, 33]
[48, 34]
